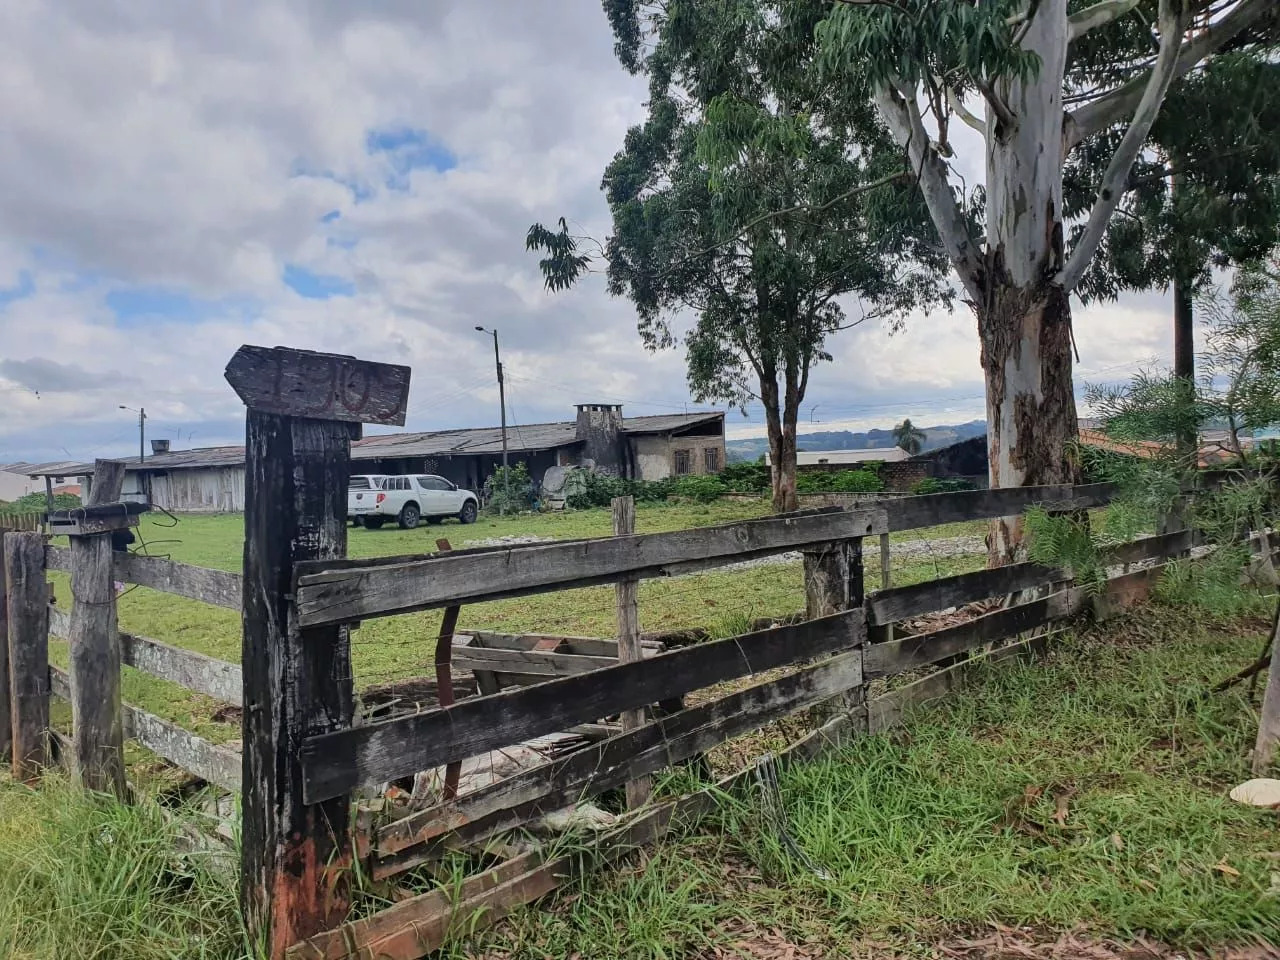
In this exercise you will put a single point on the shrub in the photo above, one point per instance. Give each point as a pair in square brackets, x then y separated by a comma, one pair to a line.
[509, 490]
[704, 489]
[35, 503]
[597, 489]
[844, 481]
[747, 477]
[856, 481]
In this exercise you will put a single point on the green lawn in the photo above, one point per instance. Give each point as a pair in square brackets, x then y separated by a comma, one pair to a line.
[394, 648]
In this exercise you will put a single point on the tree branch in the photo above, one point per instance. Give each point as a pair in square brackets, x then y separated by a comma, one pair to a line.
[900, 175]
[902, 116]
[1112, 107]
[961, 111]
[1098, 15]
[1113, 181]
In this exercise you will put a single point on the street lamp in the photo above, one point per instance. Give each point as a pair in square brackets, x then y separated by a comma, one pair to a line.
[142, 431]
[502, 403]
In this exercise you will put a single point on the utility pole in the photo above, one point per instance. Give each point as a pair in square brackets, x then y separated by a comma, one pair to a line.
[502, 403]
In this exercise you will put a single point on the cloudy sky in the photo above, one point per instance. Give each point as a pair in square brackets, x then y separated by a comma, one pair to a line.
[180, 178]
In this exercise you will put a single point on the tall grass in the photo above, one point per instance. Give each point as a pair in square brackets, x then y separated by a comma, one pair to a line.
[85, 878]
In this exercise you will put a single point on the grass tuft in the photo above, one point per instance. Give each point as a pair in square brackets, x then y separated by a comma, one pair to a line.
[82, 876]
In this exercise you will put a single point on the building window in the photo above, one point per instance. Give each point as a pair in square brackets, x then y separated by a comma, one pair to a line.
[711, 459]
[684, 462]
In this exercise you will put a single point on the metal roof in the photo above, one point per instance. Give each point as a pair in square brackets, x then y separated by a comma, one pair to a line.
[433, 443]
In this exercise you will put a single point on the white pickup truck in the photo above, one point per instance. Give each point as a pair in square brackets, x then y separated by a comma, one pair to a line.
[373, 499]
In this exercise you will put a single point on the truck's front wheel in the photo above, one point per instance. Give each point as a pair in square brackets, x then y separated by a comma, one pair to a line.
[409, 516]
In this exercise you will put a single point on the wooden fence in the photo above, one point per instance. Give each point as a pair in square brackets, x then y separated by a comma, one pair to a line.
[304, 755]
[101, 721]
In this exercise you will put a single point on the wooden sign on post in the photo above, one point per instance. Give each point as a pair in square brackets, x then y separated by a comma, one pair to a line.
[296, 857]
[322, 386]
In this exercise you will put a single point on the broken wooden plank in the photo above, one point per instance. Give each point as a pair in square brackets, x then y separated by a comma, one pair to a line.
[911, 513]
[336, 763]
[888, 606]
[360, 935]
[910, 653]
[218, 587]
[320, 386]
[610, 763]
[530, 663]
[340, 593]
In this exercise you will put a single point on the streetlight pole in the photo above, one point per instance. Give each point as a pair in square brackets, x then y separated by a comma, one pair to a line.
[502, 403]
[142, 431]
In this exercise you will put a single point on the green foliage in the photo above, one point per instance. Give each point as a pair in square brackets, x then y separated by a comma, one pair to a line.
[941, 485]
[510, 489]
[1222, 209]
[746, 477]
[82, 875]
[732, 204]
[909, 437]
[702, 488]
[599, 489]
[842, 481]
[36, 503]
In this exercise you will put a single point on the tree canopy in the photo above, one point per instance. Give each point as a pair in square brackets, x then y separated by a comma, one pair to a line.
[751, 256]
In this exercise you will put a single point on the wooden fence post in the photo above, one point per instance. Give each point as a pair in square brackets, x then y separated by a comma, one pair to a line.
[629, 650]
[303, 409]
[97, 725]
[23, 579]
[6, 679]
[833, 578]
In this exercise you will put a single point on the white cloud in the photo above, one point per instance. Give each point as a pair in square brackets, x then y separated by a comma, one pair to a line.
[194, 148]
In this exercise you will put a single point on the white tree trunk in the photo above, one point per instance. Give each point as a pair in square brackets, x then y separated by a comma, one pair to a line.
[1025, 319]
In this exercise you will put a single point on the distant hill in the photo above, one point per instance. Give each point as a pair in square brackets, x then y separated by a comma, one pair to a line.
[751, 448]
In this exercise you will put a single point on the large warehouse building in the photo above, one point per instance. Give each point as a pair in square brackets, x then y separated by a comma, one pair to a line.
[211, 479]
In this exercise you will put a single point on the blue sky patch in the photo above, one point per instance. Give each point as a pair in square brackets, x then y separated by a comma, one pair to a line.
[405, 150]
[133, 305]
[316, 286]
[25, 288]
[331, 216]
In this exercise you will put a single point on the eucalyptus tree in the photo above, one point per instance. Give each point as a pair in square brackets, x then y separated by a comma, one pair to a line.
[752, 257]
[1053, 78]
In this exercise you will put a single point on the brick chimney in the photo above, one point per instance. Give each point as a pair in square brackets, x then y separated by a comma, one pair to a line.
[600, 430]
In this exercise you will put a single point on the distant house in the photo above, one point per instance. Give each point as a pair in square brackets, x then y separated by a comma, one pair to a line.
[1214, 448]
[845, 459]
[899, 470]
[211, 479]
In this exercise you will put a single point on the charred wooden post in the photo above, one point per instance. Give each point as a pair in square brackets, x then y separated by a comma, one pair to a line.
[97, 725]
[303, 409]
[629, 651]
[24, 597]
